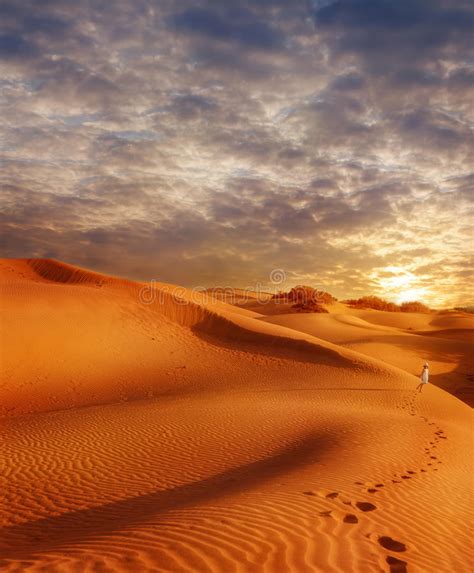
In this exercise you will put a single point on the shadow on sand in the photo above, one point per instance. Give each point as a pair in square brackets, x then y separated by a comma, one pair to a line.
[24, 540]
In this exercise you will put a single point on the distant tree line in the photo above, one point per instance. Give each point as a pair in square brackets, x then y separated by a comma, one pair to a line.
[378, 303]
[469, 309]
[304, 298]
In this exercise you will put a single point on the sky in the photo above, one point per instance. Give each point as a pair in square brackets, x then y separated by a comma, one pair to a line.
[210, 143]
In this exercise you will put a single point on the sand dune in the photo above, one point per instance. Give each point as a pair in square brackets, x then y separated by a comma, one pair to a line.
[404, 340]
[163, 430]
[417, 322]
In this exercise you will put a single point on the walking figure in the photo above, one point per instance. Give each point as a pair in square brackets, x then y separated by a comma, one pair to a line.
[424, 377]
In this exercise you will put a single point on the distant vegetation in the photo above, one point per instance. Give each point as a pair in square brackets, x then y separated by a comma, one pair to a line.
[373, 302]
[414, 306]
[378, 303]
[305, 298]
[469, 309]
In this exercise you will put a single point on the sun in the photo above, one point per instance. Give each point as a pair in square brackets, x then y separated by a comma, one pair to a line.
[399, 285]
[411, 294]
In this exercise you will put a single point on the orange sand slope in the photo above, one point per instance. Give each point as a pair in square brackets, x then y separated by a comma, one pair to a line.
[405, 340]
[157, 430]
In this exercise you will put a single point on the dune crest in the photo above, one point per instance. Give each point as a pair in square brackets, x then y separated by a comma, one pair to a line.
[58, 272]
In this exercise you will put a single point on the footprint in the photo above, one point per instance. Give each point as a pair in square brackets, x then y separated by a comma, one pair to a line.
[365, 506]
[391, 544]
[397, 565]
[379, 485]
[332, 495]
[325, 513]
[350, 518]
[406, 477]
[372, 490]
[410, 472]
[309, 493]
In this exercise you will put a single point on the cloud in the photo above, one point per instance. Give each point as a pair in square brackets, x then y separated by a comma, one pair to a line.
[383, 32]
[230, 22]
[12, 46]
[332, 139]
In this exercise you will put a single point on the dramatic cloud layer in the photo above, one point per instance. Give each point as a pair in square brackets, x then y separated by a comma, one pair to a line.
[209, 142]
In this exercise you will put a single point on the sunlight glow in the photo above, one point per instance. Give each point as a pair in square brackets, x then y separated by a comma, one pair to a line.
[399, 285]
[412, 294]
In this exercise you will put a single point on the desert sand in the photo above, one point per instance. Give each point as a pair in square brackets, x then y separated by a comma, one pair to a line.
[405, 340]
[169, 431]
